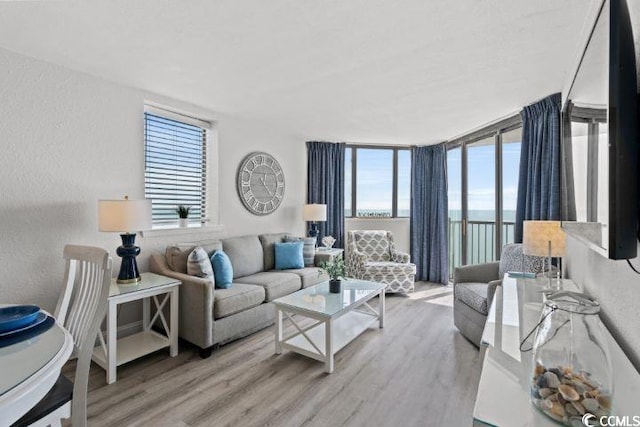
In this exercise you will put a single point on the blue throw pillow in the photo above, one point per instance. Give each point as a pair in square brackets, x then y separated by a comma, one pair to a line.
[289, 255]
[222, 270]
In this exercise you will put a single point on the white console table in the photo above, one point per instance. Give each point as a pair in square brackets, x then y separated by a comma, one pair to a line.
[503, 391]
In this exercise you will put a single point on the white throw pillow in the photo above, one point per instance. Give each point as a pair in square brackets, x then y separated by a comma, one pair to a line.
[198, 263]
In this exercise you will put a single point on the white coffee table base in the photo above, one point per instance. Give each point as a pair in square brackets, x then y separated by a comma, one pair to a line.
[324, 338]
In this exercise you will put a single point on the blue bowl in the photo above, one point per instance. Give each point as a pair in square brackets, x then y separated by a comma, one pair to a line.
[17, 316]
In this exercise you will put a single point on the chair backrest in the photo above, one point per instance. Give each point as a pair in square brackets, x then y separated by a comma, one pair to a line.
[512, 259]
[376, 244]
[80, 310]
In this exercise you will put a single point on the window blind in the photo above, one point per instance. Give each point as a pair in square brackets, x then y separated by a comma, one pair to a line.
[175, 168]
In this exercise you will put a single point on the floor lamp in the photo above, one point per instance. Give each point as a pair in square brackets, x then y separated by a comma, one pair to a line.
[544, 238]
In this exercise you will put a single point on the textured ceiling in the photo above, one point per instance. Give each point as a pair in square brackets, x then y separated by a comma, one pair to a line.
[410, 71]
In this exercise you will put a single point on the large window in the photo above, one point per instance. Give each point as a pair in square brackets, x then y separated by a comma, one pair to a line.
[377, 182]
[482, 174]
[175, 165]
[511, 143]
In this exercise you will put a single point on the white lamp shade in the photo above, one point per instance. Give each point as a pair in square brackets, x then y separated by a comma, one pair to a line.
[536, 236]
[314, 212]
[124, 216]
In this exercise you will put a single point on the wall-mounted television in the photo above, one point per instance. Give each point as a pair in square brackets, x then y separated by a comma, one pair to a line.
[601, 137]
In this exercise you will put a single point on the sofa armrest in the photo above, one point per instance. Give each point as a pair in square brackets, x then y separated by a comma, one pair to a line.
[400, 257]
[196, 303]
[481, 273]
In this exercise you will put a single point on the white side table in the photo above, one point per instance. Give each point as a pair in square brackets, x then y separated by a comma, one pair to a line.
[324, 255]
[115, 352]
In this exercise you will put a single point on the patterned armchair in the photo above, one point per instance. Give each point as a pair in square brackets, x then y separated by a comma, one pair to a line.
[371, 255]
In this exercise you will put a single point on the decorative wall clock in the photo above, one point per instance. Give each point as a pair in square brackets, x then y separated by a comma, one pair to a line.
[260, 183]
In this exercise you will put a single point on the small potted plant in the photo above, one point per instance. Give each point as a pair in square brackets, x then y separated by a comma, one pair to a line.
[336, 271]
[183, 215]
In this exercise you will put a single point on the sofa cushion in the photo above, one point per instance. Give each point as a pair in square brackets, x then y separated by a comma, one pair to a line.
[373, 243]
[289, 255]
[246, 255]
[308, 250]
[473, 294]
[236, 299]
[177, 257]
[198, 263]
[310, 276]
[267, 241]
[390, 267]
[222, 270]
[512, 259]
[275, 283]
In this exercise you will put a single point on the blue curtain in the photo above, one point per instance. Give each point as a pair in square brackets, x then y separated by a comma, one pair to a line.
[539, 192]
[429, 244]
[325, 185]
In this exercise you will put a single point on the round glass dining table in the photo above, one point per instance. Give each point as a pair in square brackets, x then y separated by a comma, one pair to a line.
[28, 370]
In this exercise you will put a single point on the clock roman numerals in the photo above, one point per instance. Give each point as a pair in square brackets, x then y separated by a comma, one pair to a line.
[260, 183]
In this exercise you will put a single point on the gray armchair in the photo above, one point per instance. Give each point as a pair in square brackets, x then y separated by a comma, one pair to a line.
[475, 285]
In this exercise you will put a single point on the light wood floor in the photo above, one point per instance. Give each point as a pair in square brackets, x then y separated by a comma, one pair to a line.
[417, 371]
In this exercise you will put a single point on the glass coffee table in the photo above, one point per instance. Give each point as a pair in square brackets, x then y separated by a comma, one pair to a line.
[340, 318]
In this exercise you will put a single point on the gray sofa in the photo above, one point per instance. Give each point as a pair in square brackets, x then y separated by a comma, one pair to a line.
[210, 317]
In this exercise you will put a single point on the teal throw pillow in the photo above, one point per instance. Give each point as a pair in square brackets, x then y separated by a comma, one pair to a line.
[308, 250]
[289, 255]
[222, 270]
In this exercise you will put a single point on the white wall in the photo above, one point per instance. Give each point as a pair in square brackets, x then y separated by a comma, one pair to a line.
[398, 226]
[68, 139]
[615, 286]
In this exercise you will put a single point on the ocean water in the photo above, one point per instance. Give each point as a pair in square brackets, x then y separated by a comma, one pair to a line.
[481, 244]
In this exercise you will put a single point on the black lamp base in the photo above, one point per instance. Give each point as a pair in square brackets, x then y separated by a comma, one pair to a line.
[128, 251]
[313, 231]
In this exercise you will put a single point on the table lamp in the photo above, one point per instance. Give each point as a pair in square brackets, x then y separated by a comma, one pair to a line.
[543, 238]
[313, 213]
[126, 217]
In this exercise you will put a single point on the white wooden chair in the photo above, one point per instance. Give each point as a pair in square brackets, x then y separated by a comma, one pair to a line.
[80, 310]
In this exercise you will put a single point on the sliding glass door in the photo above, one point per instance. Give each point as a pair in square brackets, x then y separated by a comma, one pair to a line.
[454, 185]
[481, 201]
[511, 142]
[482, 173]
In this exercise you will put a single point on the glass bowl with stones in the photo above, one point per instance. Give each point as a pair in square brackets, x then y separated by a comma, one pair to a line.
[572, 372]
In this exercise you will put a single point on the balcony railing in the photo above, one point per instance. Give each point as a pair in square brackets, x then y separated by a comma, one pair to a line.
[480, 241]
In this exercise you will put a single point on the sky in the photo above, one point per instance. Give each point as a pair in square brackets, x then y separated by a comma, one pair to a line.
[481, 177]
[374, 187]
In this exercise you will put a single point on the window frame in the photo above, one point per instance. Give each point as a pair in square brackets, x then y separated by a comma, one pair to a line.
[210, 135]
[593, 118]
[395, 182]
[495, 130]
